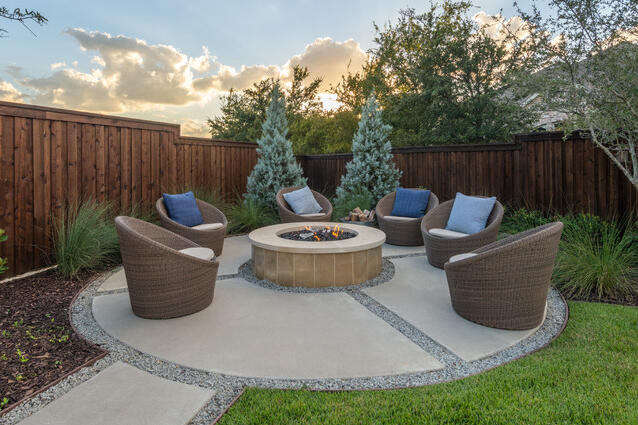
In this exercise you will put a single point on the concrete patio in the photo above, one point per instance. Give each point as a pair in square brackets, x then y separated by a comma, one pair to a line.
[401, 332]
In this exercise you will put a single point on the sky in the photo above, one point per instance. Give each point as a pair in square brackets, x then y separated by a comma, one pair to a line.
[172, 61]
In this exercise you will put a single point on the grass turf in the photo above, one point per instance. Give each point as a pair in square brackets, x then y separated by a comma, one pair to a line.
[589, 375]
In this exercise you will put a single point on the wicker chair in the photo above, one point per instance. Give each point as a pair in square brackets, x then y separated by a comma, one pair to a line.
[163, 282]
[209, 238]
[287, 215]
[439, 249]
[504, 284]
[401, 232]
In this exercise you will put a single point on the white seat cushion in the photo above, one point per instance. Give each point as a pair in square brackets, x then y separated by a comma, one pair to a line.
[200, 252]
[448, 234]
[399, 218]
[463, 256]
[208, 226]
[312, 215]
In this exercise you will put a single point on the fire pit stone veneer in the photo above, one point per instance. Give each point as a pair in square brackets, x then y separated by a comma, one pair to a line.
[316, 264]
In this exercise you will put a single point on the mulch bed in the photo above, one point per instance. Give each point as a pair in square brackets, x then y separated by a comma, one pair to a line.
[37, 343]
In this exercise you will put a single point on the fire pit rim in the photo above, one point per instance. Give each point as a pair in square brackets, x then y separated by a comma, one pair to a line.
[268, 237]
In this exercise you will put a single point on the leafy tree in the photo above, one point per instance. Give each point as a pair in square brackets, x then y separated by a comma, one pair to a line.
[324, 132]
[591, 52]
[442, 79]
[244, 112]
[21, 15]
[371, 168]
[311, 129]
[276, 167]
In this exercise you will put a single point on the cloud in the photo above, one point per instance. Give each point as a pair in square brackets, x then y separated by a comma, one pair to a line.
[501, 29]
[9, 93]
[128, 75]
[324, 58]
[195, 128]
[329, 59]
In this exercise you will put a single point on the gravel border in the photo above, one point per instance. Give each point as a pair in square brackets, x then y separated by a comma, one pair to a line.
[228, 387]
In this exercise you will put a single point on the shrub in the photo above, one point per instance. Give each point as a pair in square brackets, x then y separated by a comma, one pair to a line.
[85, 239]
[361, 198]
[596, 259]
[248, 215]
[519, 220]
[3, 261]
[212, 196]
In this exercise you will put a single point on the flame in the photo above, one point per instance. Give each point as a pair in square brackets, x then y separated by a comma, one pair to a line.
[335, 231]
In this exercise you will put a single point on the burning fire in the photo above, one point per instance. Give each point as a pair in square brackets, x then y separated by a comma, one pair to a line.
[335, 231]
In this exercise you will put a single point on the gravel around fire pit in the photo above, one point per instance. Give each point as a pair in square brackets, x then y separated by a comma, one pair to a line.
[318, 234]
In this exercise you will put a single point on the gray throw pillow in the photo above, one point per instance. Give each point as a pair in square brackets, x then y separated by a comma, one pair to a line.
[302, 201]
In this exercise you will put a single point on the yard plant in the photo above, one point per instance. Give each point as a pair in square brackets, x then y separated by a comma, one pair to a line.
[85, 239]
[597, 258]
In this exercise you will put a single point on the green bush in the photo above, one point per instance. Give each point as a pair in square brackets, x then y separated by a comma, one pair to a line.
[248, 215]
[361, 198]
[519, 220]
[596, 259]
[85, 239]
[3, 261]
[213, 197]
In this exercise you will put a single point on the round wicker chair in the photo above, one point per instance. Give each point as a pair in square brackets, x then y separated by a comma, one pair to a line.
[213, 238]
[504, 284]
[401, 232]
[287, 215]
[163, 282]
[439, 250]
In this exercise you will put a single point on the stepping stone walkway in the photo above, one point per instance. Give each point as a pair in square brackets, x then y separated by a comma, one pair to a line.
[395, 331]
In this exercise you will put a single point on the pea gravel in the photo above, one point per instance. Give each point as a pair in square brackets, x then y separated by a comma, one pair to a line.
[227, 387]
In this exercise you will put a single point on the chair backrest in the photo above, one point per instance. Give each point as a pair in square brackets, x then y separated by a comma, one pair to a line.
[321, 200]
[386, 203]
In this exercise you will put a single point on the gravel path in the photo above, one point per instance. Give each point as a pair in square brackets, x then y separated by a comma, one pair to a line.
[228, 387]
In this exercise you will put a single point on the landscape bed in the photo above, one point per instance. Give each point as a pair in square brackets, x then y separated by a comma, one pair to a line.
[38, 345]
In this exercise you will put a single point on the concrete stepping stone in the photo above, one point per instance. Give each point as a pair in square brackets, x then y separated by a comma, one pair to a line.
[392, 250]
[122, 394]
[419, 294]
[257, 332]
[236, 252]
[116, 281]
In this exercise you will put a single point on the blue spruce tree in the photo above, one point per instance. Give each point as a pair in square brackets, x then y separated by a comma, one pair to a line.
[276, 167]
[371, 169]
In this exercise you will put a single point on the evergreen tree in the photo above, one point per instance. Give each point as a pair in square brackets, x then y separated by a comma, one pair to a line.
[371, 168]
[276, 167]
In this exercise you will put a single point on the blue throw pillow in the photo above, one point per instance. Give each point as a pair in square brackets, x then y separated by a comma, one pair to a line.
[302, 201]
[183, 209]
[469, 213]
[410, 202]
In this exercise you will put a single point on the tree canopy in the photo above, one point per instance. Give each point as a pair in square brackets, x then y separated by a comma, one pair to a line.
[590, 49]
[441, 78]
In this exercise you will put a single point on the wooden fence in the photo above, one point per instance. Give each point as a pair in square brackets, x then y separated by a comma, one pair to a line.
[538, 171]
[51, 158]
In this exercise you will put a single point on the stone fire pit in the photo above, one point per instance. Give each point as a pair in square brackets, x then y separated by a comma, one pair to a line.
[316, 264]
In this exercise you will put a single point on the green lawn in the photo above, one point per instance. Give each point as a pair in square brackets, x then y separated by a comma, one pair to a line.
[589, 375]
